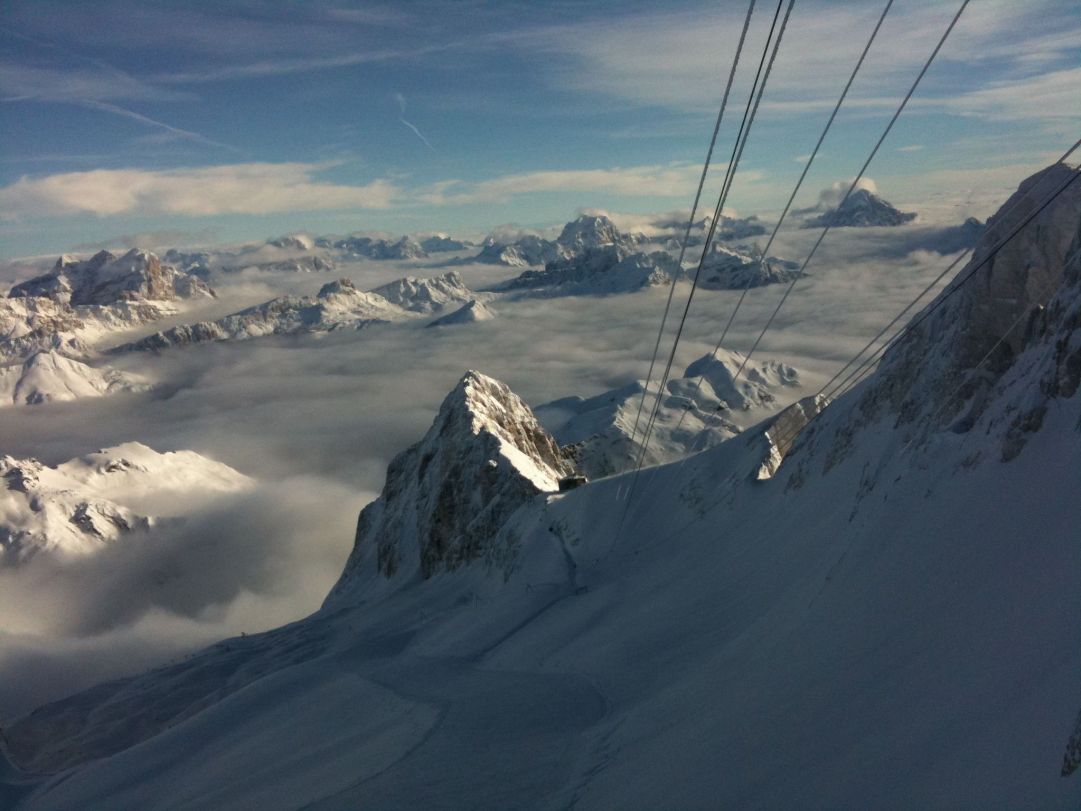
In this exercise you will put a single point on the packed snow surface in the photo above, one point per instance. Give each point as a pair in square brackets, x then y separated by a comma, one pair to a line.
[49, 376]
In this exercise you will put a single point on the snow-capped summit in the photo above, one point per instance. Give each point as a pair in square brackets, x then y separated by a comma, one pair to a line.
[106, 279]
[78, 507]
[426, 295]
[49, 376]
[447, 497]
[863, 208]
[591, 231]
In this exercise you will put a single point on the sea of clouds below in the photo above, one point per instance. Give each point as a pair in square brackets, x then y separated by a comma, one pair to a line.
[317, 418]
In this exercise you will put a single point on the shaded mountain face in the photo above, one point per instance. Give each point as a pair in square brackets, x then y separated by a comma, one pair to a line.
[597, 271]
[862, 209]
[727, 269]
[441, 243]
[447, 497]
[1003, 342]
[107, 279]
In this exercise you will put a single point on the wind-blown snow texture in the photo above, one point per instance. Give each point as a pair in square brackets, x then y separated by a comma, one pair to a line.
[889, 621]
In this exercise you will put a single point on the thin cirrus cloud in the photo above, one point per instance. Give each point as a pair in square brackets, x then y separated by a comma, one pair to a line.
[265, 188]
[246, 188]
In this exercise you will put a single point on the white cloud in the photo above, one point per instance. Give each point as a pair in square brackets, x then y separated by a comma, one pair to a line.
[661, 180]
[831, 196]
[244, 188]
[910, 148]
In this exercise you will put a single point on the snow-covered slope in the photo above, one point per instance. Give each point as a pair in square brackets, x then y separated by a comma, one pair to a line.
[727, 269]
[105, 279]
[50, 376]
[596, 271]
[426, 295]
[35, 324]
[338, 305]
[863, 208]
[78, 507]
[372, 248]
[884, 623]
[523, 252]
[447, 497]
[469, 313]
[699, 410]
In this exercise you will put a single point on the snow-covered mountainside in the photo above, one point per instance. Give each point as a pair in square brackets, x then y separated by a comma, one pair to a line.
[728, 229]
[523, 252]
[338, 305]
[592, 231]
[370, 248]
[890, 620]
[447, 497]
[469, 313]
[78, 304]
[36, 323]
[727, 269]
[106, 279]
[81, 505]
[299, 264]
[596, 271]
[994, 358]
[595, 433]
[426, 295]
[49, 376]
[863, 208]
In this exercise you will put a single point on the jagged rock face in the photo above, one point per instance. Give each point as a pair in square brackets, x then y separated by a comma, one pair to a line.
[338, 305]
[105, 279]
[447, 497]
[862, 209]
[469, 313]
[50, 376]
[528, 250]
[440, 243]
[997, 350]
[76, 508]
[726, 269]
[597, 271]
[426, 295]
[591, 231]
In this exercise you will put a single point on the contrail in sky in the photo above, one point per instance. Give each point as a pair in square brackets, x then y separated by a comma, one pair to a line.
[401, 117]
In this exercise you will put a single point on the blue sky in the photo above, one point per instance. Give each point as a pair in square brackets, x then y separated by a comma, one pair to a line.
[202, 122]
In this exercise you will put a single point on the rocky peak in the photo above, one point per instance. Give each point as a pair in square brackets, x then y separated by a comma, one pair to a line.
[862, 209]
[106, 279]
[447, 498]
[589, 231]
[727, 269]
